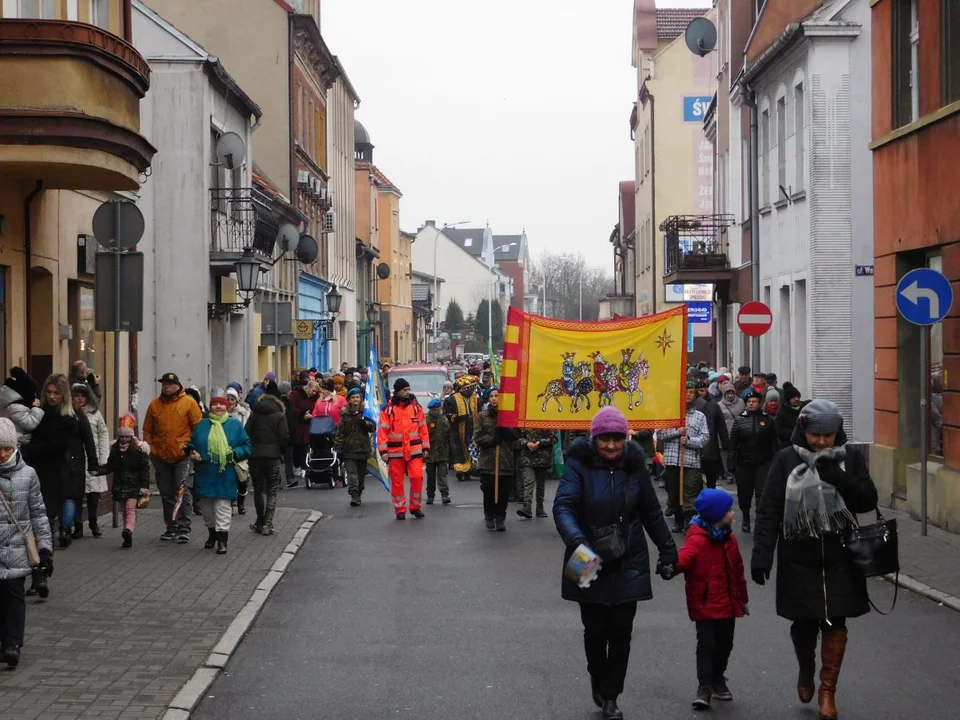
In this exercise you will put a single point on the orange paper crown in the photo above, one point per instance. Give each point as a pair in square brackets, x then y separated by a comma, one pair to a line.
[128, 421]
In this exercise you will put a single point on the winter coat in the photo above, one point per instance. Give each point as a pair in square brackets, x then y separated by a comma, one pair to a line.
[571, 436]
[785, 422]
[402, 433]
[88, 381]
[267, 429]
[814, 578]
[644, 438]
[730, 412]
[439, 430]
[542, 457]
[208, 480]
[169, 424]
[301, 404]
[593, 494]
[489, 438]
[82, 457]
[242, 413]
[47, 454]
[353, 435]
[291, 416]
[21, 487]
[715, 581]
[716, 426]
[21, 413]
[330, 407]
[753, 440]
[101, 440]
[130, 469]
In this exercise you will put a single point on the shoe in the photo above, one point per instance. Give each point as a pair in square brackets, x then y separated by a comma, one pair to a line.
[833, 645]
[745, 525]
[267, 530]
[77, 531]
[292, 484]
[168, 536]
[211, 539]
[678, 526]
[501, 524]
[258, 529]
[702, 699]
[447, 500]
[197, 511]
[488, 523]
[127, 538]
[418, 514]
[668, 512]
[65, 538]
[610, 711]
[402, 515]
[805, 647]
[524, 512]
[39, 586]
[597, 697]
[95, 530]
[721, 691]
[241, 509]
[183, 537]
[541, 513]
[222, 538]
[11, 655]
[429, 501]
[355, 502]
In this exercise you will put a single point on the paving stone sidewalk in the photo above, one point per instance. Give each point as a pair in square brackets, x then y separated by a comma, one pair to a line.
[933, 560]
[123, 630]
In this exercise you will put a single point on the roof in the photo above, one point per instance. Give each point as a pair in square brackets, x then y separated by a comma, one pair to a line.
[461, 236]
[360, 134]
[511, 254]
[671, 22]
[383, 180]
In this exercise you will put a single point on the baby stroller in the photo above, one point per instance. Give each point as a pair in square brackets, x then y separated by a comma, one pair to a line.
[323, 465]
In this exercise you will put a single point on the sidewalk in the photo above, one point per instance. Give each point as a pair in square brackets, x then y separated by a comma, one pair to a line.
[123, 630]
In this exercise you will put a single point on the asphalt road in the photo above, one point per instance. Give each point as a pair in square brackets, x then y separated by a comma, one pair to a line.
[441, 618]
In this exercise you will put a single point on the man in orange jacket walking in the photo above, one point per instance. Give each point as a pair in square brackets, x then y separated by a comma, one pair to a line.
[403, 442]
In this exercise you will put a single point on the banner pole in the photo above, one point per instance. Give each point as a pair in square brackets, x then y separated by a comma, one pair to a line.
[496, 476]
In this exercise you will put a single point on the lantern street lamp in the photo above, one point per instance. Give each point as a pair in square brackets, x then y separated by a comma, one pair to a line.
[334, 298]
[248, 275]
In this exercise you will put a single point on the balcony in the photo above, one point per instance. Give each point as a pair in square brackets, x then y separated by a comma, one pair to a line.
[70, 106]
[695, 251]
[240, 219]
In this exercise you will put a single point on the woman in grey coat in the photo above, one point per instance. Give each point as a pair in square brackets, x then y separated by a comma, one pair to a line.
[20, 489]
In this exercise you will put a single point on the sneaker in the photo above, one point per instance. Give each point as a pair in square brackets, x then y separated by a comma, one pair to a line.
[500, 524]
[525, 513]
[127, 538]
[488, 523]
[168, 536]
[77, 531]
[447, 501]
[429, 501]
[258, 529]
[354, 502]
[402, 515]
[183, 537]
[418, 514]
[610, 711]
[11, 655]
[267, 530]
[702, 699]
[721, 691]
[292, 484]
[541, 513]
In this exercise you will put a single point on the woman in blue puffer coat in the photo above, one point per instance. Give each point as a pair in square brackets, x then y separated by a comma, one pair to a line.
[605, 483]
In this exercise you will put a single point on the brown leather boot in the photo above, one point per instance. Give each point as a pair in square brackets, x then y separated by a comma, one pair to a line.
[832, 647]
[805, 645]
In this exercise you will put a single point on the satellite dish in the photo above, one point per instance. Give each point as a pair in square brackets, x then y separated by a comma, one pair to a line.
[700, 36]
[307, 249]
[230, 150]
[383, 271]
[288, 237]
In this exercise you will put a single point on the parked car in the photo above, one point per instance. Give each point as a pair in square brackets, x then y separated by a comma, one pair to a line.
[426, 380]
[454, 370]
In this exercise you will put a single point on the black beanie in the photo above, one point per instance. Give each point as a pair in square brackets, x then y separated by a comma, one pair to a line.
[400, 384]
[789, 392]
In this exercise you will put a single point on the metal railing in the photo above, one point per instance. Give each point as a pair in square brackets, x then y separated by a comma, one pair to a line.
[236, 224]
[695, 242]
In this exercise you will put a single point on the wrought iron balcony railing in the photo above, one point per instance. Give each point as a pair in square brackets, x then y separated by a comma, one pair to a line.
[238, 222]
[695, 242]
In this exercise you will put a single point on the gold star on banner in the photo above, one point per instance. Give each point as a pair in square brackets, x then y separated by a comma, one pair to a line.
[664, 341]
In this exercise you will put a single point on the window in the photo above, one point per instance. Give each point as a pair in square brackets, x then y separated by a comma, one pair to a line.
[26, 9]
[764, 160]
[799, 130]
[781, 143]
[906, 62]
[321, 140]
[99, 13]
[950, 51]
[301, 120]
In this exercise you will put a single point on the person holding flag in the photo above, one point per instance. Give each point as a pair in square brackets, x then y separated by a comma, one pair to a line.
[403, 441]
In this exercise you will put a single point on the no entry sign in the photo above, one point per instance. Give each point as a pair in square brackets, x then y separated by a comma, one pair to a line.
[754, 319]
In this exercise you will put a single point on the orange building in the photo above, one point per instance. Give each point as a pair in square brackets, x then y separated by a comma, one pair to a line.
[916, 143]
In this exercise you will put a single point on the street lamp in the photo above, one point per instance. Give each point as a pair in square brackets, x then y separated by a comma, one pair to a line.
[248, 274]
[372, 313]
[334, 298]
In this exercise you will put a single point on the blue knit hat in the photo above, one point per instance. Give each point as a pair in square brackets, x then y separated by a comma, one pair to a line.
[713, 504]
[434, 403]
[354, 391]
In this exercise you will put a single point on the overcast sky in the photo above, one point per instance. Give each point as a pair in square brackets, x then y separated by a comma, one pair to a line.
[512, 112]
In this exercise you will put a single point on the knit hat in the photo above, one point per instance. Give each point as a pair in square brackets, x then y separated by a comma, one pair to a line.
[772, 396]
[8, 434]
[127, 425]
[285, 387]
[400, 384]
[270, 377]
[234, 385]
[232, 392]
[727, 387]
[691, 385]
[354, 391]
[820, 416]
[713, 504]
[218, 397]
[271, 389]
[609, 421]
[790, 392]
[435, 403]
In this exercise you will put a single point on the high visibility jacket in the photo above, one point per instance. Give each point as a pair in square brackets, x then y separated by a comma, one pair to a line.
[403, 432]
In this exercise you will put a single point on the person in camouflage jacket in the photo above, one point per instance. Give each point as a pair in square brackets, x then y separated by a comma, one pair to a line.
[536, 459]
[438, 462]
[353, 443]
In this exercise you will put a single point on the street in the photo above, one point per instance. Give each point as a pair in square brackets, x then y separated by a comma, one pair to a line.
[441, 618]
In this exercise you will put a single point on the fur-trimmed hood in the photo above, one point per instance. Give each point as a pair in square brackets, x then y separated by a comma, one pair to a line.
[584, 452]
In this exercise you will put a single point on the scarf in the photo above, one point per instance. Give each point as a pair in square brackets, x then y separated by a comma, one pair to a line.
[217, 446]
[717, 534]
[812, 507]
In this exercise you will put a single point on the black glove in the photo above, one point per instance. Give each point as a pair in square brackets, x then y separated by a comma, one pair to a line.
[667, 572]
[760, 575]
[46, 562]
[830, 472]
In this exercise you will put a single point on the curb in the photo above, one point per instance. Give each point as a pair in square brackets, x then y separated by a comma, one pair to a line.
[915, 586]
[192, 691]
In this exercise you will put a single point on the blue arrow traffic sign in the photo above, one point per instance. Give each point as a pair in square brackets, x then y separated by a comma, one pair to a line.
[924, 297]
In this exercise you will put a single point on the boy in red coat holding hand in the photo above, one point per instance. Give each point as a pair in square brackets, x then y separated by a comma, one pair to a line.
[716, 590]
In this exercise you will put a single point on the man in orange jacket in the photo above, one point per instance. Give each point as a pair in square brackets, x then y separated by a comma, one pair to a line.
[403, 442]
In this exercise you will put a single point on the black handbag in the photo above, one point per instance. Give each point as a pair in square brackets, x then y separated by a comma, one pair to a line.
[873, 552]
[607, 541]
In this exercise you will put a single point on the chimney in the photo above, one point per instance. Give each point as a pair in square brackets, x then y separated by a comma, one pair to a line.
[431, 223]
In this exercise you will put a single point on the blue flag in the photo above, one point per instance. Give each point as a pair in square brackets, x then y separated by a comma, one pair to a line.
[373, 405]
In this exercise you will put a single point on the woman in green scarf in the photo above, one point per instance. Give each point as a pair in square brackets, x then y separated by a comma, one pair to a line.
[218, 443]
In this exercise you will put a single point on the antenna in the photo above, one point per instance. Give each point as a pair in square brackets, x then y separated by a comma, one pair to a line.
[307, 249]
[700, 36]
[230, 150]
[288, 237]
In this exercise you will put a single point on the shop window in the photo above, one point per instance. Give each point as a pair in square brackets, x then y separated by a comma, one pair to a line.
[950, 50]
[935, 416]
[906, 62]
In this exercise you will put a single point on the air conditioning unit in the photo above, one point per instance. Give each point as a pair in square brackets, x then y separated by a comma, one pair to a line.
[329, 222]
[317, 187]
[303, 178]
[325, 195]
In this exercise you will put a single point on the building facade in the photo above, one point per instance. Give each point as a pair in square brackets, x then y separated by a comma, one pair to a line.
[367, 245]
[915, 143]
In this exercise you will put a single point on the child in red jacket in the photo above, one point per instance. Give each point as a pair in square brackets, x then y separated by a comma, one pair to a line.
[716, 590]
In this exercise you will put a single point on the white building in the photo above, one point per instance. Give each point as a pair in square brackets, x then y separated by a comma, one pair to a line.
[816, 215]
[199, 215]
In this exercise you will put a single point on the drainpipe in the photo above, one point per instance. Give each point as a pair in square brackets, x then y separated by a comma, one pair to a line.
[27, 267]
[754, 216]
[291, 52]
[653, 196]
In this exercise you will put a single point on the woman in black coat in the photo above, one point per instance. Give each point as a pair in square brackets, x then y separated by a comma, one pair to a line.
[605, 482]
[814, 491]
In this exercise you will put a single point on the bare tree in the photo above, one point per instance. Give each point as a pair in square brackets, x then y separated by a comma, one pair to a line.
[564, 274]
